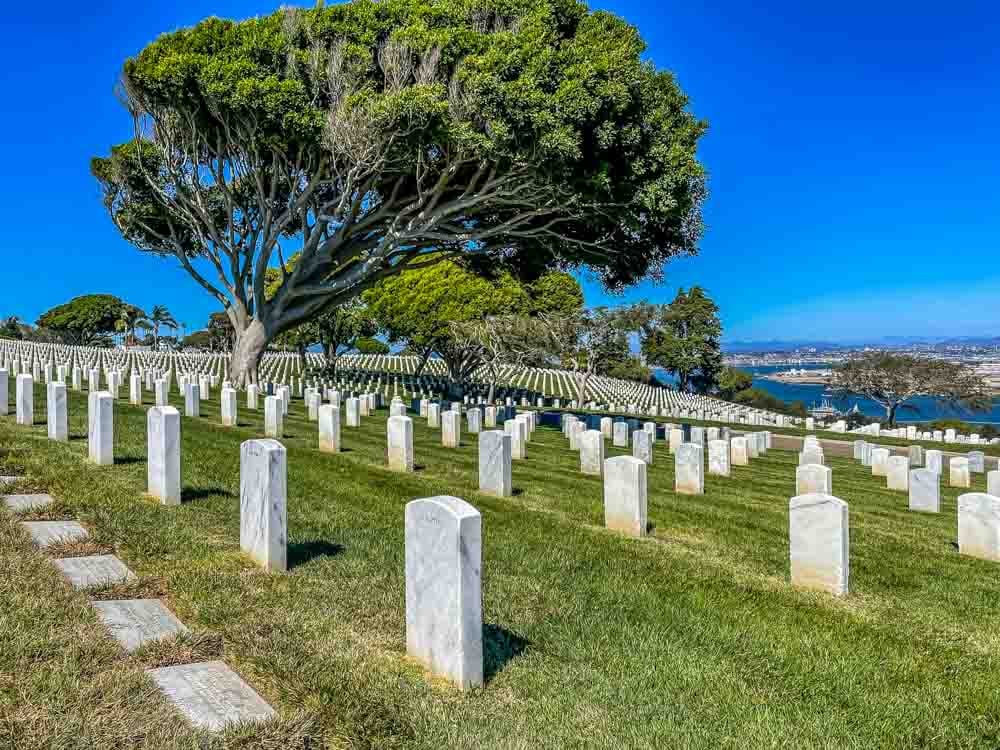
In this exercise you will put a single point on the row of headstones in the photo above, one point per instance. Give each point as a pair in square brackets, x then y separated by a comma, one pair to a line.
[911, 432]
[724, 449]
[619, 398]
[818, 521]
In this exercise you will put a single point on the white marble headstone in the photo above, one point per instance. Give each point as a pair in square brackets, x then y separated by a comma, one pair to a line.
[444, 622]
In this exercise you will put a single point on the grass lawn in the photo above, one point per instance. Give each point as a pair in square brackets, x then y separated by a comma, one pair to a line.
[691, 638]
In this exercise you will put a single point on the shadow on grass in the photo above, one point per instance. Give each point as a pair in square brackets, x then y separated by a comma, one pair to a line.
[128, 460]
[500, 647]
[190, 494]
[299, 553]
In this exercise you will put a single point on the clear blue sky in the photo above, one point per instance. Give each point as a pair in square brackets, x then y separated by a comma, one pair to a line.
[854, 155]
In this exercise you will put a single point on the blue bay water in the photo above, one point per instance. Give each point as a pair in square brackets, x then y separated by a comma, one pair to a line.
[812, 395]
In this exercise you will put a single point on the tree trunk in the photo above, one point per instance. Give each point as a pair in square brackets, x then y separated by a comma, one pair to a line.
[890, 413]
[423, 362]
[582, 378]
[330, 351]
[493, 387]
[247, 352]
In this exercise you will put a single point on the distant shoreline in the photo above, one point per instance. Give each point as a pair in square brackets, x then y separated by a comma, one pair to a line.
[796, 379]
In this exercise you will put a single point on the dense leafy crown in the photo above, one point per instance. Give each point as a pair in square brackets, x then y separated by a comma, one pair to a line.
[529, 130]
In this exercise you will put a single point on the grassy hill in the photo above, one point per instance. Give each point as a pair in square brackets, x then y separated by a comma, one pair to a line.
[690, 638]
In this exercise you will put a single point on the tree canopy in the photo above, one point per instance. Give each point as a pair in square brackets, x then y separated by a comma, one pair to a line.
[683, 339]
[365, 135]
[891, 379]
[84, 319]
[423, 307]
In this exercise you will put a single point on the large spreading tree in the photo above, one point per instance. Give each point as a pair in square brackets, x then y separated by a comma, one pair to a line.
[891, 380]
[366, 135]
[87, 319]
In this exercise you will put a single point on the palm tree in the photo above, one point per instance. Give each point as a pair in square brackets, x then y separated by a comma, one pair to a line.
[160, 316]
[131, 317]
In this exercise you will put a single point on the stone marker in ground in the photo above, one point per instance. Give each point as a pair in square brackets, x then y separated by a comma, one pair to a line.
[518, 444]
[933, 460]
[642, 446]
[677, 439]
[274, 420]
[916, 456]
[958, 472]
[859, 449]
[689, 469]
[993, 483]
[399, 441]
[27, 503]
[738, 454]
[263, 500]
[433, 415]
[819, 543]
[495, 463]
[897, 473]
[24, 406]
[625, 495]
[718, 457]
[134, 622]
[161, 393]
[329, 428]
[979, 525]
[619, 435]
[925, 492]
[44, 533]
[210, 695]
[474, 418]
[100, 435]
[230, 415]
[977, 462]
[192, 400]
[880, 462]
[607, 425]
[93, 570]
[55, 413]
[353, 411]
[444, 616]
[592, 452]
[811, 479]
[4, 392]
[397, 409]
[451, 429]
[163, 462]
[812, 456]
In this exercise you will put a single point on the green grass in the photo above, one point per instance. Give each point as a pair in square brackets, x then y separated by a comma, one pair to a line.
[691, 638]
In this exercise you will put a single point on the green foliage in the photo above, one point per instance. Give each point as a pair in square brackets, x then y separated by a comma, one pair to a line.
[419, 306]
[732, 380]
[891, 379]
[532, 133]
[761, 399]
[200, 340]
[220, 332]
[556, 292]
[370, 345]
[85, 319]
[11, 328]
[628, 367]
[683, 339]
